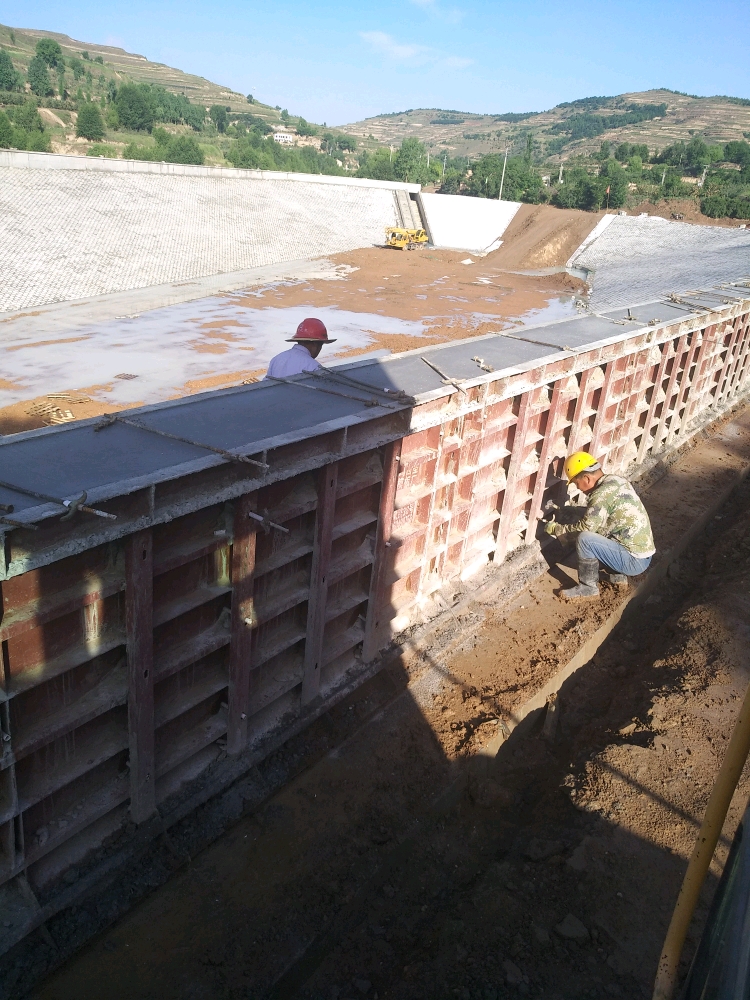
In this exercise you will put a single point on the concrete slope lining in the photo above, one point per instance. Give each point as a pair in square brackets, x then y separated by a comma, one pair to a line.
[461, 223]
[72, 233]
[645, 258]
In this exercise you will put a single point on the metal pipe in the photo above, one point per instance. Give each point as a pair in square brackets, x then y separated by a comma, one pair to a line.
[703, 852]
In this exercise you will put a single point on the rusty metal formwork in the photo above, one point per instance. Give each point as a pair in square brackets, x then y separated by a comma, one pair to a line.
[140, 657]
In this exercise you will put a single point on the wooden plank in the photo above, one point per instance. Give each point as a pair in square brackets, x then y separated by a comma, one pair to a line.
[557, 403]
[139, 609]
[244, 620]
[517, 458]
[316, 605]
[376, 601]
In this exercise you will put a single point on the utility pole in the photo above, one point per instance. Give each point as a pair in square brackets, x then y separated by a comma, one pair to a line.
[663, 176]
[559, 178]
[445, 158]
[390, 158]
[502, 179]
[428, 158]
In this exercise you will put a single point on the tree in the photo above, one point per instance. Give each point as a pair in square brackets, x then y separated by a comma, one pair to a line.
[49, 51]
[410, 163]
[304, 128]
[377, 166]
[6, 132]
[134, 109]
[218, 115]
[9, 78]
[738, 152]
[39, 77]
[90, 124]
[250, 99]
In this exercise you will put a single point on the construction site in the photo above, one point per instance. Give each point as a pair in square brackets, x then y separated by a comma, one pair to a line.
[291, 705]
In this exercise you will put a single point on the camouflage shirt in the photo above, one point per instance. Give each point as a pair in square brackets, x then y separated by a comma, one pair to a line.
[615, 510]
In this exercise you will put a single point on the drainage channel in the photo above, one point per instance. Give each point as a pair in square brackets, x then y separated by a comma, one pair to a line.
[305, 866]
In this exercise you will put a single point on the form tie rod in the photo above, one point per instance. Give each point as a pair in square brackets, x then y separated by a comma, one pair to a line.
[330, 392]
[228, 456]
[71, 506]
[444, 377]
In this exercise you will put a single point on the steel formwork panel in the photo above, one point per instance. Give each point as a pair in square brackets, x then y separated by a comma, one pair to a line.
[138, 652]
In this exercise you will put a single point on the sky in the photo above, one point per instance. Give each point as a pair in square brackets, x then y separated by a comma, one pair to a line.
[339, 62]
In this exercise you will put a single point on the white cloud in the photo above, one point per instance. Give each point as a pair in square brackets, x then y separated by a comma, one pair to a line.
[417, 55]
[452, 15]
[388, 46]
[456, 62]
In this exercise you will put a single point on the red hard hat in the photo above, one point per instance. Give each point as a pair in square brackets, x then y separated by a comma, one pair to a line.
[313, 330]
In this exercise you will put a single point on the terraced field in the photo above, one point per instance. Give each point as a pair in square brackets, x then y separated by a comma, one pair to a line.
[718, 119]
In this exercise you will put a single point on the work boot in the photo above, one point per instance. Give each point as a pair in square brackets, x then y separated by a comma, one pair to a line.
[618, 580]
[588, 580]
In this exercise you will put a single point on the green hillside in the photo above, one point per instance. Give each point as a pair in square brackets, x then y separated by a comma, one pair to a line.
[64, 96]
[656, 118]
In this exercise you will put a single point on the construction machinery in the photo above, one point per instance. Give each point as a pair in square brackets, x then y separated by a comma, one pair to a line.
[405, 239]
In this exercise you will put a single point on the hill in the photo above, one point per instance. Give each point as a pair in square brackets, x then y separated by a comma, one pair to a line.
[657, 118]
[131, 67]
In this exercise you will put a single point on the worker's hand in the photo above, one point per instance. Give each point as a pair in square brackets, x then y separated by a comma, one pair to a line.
[553, 528]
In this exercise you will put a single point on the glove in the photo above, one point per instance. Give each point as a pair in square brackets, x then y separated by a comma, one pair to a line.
[553, 528]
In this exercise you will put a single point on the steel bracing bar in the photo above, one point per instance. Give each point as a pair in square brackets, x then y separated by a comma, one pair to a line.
[71, 506]
[228, 456]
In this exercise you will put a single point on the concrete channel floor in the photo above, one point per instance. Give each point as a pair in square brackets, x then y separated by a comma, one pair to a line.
[350, 880]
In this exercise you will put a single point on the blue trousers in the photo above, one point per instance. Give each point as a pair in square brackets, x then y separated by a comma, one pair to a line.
[609, 552]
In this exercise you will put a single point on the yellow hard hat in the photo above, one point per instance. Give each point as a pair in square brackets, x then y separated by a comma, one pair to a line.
[578, 462]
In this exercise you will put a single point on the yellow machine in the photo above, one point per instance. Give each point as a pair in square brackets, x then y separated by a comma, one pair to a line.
[405, 239]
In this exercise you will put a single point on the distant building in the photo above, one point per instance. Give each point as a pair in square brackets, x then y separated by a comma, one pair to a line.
[285, 138]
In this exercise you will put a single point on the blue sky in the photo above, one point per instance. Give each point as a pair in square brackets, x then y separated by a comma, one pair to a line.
[340, 61]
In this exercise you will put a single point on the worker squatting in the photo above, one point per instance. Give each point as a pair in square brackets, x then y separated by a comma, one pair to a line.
[614, 530]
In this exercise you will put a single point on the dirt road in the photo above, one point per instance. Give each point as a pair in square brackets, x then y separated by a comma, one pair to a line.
[391, 866]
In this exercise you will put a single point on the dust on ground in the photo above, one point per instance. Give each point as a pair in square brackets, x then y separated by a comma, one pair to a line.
[451, 300]
[552, 876]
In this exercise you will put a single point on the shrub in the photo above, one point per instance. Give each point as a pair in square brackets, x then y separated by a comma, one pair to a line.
[714, 206]
[39, 77]
[79, 70]
[102, 149]
[90, 124]
[183, 149]
[27, 117]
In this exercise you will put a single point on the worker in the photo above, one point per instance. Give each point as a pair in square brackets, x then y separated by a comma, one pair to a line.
[615, 530]
[308, 342]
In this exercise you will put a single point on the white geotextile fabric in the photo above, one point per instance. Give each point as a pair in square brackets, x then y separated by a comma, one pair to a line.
[635, 259]
[462, 223]
[70, 234]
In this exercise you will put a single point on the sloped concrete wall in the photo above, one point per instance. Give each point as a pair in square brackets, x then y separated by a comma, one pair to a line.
[77, 227]
[461, 223]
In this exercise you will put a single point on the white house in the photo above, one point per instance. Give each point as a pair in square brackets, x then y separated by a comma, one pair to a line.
[286, 138]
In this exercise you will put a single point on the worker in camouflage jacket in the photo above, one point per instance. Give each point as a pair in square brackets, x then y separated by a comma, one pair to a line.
[615, 530]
